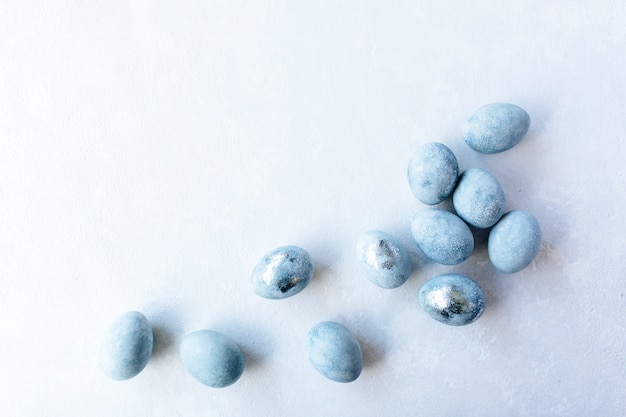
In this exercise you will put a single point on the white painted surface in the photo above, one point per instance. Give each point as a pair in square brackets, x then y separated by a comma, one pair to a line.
[151, 152]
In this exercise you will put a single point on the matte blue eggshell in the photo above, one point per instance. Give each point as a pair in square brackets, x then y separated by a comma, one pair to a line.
[384, 261]
[282, 273]
[334, 352]
[212, 358]
[442, 236]
[496, 127]
[452, 299]
[127, 346]
[432, 173]
[514, 241]
[478, 198]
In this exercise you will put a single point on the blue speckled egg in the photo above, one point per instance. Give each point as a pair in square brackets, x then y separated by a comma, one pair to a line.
[442, 236]
[514, 241]
[452, 299]
[384, 261]
[127, 346]
[212, 358]
[496, 127]
[283, 272]
[334, 352]
[478, 198]
[432, 173]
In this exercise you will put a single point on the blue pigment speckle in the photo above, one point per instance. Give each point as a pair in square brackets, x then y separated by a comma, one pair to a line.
[432, 173]
[442, 236]
[452, 299]
[478, 198]
[384, 261]
[334, 352]
[212, 358]
[514, 241]
[282, 273]
[127, 346]
[496, 128]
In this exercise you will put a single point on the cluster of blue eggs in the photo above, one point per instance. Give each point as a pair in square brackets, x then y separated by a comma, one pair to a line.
[514, 240]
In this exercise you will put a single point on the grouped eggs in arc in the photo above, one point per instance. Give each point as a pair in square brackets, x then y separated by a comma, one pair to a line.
[384, 261]
[282, 273]
[496, 127]
[127, 346]
[432, 173]
[514, 241]
[334, 352]
[478, 198]
[452, 299]
[212, 358]
[442, 236]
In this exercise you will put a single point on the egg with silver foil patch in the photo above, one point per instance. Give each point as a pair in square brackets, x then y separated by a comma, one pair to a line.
[384, 261]
[452, 299]
[282, 272]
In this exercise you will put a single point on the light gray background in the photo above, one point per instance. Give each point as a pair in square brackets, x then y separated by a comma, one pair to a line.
[151, 152]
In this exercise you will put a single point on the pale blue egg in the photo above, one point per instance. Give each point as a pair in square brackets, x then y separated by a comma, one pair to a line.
[334, 352]
[452, 299]
[442, 236]
[283, 272]
[478, 198]
[514, 241]
[211, 358]
[127, 346]
[432, 173]
[384, 261]
[496, 127]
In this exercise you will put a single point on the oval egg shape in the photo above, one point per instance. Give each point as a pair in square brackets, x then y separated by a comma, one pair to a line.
[432, 173]
[442, 236]
[496, 127]
[478, 198]
[514, 241]
[212, 358]
[384, 261]
[452, 299]
[334, 352]
[127, 346]
[282, 273]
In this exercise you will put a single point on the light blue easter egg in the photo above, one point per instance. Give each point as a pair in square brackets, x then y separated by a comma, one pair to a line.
[514, 241]
[283, 272]
[212, 358]
[334, 352]
[384, 261]
[452, 299]
[127, 346]
[442, 236]
[496, 127]
[432, 173]
[478, 198]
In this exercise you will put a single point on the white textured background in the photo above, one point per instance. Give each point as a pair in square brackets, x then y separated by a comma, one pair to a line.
[151, 152]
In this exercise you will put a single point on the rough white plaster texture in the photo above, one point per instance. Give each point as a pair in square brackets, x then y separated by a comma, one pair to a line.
[152, 151]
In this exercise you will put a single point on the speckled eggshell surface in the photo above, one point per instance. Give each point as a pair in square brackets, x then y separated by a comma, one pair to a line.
[496, 127]
[452, 299]
[442, 236]
[432, 173]
[478, 198]
[127, 346]
[334, 352]
[514, 241]
[384, 261]
[282, 273]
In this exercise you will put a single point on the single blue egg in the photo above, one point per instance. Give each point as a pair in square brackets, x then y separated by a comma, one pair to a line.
[384, 261]
[452, 299]
[432, 173]
[442, 236]
[514, 241]
[283, 272]
[478, 198]
[334, 352]
[212, 358]
[496, 127]
[127, 346]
